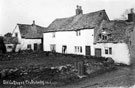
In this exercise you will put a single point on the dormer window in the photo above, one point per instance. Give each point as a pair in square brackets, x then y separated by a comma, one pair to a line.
[53, 35]
[104, 37]
[78, 33]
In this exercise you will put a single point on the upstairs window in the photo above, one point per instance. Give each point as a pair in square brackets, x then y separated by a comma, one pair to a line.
[78, 33]
[104, 37]
[53, 35]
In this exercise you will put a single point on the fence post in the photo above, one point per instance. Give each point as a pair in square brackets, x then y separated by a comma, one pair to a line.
[81, 68]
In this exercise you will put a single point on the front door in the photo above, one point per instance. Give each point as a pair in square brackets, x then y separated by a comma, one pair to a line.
[35, 46]
[64, 49]
[87, 50]
[98, 52]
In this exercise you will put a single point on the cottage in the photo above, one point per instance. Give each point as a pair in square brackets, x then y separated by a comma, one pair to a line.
[74, 35]
[115, 39]
[30, 37]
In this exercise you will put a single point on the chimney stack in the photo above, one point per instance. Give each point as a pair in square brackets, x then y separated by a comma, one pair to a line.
[33, 22]
[131, 16]
[79, 10]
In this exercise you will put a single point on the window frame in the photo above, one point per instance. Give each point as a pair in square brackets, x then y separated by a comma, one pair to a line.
[108, 50]
[29, 46]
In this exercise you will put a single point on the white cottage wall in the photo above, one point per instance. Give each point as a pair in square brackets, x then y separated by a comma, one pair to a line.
[18, 33]
[120, 52]
[25, 42]
[70, 39]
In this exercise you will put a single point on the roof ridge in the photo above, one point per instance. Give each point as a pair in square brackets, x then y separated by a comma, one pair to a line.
[80, 14]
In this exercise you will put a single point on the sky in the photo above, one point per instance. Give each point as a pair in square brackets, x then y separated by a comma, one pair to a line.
[46, 11]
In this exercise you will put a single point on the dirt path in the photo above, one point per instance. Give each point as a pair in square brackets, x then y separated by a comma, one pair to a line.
[124, 76]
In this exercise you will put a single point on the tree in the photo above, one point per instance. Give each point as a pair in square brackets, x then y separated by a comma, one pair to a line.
[124, 16]
[8, 34]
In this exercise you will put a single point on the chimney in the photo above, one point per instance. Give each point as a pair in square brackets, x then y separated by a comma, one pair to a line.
[79, 10]
[33, 22]
[131, 16]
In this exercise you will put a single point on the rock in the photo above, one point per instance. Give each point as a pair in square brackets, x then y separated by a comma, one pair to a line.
[4, 73]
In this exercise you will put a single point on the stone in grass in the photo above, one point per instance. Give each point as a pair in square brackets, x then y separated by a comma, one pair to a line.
[12, 70]
[3, 73]
[89, 70]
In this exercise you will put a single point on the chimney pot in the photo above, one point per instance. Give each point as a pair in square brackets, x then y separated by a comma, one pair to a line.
[131, 16]
[33, 22]
[79, 10]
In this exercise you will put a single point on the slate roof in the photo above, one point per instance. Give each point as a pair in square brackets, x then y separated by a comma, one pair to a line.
[118, 29]
[76, 22]
[31, 31]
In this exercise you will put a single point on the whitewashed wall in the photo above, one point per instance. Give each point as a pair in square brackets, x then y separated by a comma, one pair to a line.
[120, 52]
[18, 32]
[25, 42]
[70, 39]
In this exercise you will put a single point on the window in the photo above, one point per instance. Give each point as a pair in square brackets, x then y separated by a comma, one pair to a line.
[75, 49]
[104, 37]
[53, 34]
[28, 46]
[78, 49]
[78, 33]
[108, 50]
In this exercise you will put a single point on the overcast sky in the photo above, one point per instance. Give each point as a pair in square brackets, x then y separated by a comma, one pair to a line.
[45, 11]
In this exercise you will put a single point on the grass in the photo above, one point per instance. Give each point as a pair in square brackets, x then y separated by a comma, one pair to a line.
[47, 60]
[36, 59]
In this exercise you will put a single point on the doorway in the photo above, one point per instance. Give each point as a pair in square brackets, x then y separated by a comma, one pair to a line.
[98, 52]
[64, 49]
[87, 50]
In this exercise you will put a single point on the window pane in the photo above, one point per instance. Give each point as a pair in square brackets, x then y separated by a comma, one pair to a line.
[29, 46]
[75, 48]
[81, 49]
[106, 51]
